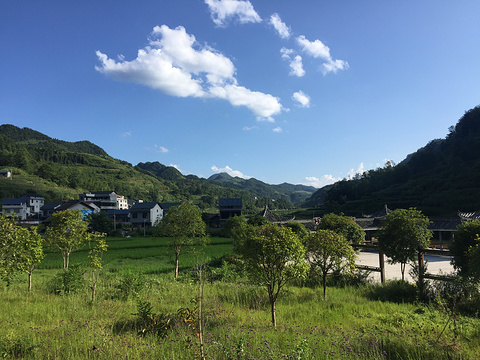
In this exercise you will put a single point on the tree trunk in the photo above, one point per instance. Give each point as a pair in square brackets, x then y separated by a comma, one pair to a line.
[176, 264]
[94, 286]
[324, 282]
[30, 279]
[274, 317]
[402, 269]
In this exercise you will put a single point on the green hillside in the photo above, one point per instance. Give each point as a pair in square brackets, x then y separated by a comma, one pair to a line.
[60, 170]
[285, 191]
[439, 179]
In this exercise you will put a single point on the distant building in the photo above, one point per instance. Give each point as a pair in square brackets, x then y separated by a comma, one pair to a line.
[145, 214]
[105, 200]
[86, 208]
[49, 208]
[6, 174]
[122, 203]
[119, 216]
[229, 208]
[166, 206]
[34, 202]
[17, 207]
[23, 207]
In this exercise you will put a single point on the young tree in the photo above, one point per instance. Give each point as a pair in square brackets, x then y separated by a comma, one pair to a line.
[328, 250]
[237, 228]
[31, 252]
[343, 225]
[465, 237]
[95, 255]
[403, 234]
[274, 255]
[21, 249]
[67, 232]
[184, 225]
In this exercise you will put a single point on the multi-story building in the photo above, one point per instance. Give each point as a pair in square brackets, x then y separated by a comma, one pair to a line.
[105, 200]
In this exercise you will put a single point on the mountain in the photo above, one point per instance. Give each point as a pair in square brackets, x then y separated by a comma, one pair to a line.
[161, 171]
[285, 191]
[60, 170]
[440, 178]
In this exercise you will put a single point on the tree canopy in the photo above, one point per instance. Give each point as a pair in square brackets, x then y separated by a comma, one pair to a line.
[328, 250]
[21, 249]
[67, 232]
[343, 225]
[274, 255]
[465, 237]
[403, 233]
[184, 226]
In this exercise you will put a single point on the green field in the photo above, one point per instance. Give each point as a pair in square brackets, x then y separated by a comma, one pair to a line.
[137, 279]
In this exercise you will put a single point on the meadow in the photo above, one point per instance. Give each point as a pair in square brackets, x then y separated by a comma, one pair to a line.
[142, 312]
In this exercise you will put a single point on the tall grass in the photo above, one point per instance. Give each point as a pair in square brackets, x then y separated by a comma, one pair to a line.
[349, 324]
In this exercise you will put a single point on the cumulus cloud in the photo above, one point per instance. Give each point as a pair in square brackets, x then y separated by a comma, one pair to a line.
[319, 50]
[227, 169]
[222, 11]
[320, 182]
[296, 63]
[278, 130]
[282, 29]
[177, 65]
[302, 98]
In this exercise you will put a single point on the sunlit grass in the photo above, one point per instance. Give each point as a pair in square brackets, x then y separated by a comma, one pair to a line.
[236, 317]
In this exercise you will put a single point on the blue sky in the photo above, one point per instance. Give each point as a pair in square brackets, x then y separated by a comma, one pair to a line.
[284, 91]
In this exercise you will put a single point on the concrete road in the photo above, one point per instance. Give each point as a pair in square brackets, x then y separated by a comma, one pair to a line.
[436, 264]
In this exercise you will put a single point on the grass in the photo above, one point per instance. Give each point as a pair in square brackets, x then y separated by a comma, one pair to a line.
[236, 319]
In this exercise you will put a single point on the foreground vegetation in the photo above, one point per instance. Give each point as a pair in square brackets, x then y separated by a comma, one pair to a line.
[142, 312]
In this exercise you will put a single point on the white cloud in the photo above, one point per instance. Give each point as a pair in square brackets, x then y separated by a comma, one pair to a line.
[126, 134]
[323, 181]
[248, 128]
[278, 130]
[296, 64]
[319, 50]
[282, 29]
[302, 98]
[262, 105]
[175, 64]
[159, 149]
[227, 169]
[223, 10]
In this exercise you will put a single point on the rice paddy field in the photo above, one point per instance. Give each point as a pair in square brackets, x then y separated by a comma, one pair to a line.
[142, 312]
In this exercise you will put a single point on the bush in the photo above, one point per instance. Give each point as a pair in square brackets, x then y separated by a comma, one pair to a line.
[397, 291]
[67, 281]
[131, 283]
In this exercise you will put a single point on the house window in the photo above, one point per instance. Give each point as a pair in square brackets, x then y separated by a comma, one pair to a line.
[134, 215]
[144, 215]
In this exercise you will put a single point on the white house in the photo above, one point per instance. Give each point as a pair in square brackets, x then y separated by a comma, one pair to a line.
[17, 207]
[145, 214]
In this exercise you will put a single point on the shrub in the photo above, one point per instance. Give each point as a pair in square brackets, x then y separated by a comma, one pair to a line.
[131, 283]
[397, 291]
[67, 281]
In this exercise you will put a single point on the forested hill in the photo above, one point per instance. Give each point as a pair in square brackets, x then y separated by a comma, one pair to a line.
[60, 170]
[293, 193]
[439, 179]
